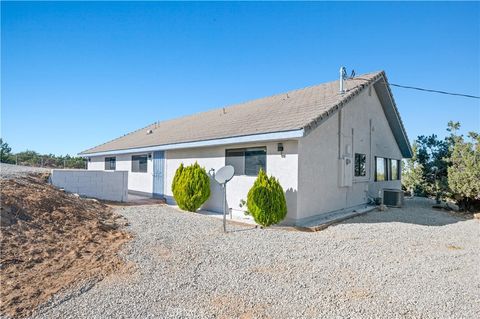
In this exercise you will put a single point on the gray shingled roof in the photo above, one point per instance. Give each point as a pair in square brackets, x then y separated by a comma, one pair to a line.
[299, 109]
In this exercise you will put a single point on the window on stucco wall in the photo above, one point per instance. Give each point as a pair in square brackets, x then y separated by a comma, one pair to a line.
[247, 161]
[110, 163]
[380, 169]
[139, 163]
[387, 169]
[395, 168]
[360, 165]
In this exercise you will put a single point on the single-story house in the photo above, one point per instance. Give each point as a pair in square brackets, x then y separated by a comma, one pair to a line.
[332, 146]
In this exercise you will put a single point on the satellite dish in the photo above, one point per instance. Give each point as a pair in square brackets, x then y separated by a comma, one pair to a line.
[224, 174]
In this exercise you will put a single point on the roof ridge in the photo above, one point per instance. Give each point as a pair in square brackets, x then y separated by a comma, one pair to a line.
[228, 106]
[261, 102]
[292, 91]
[112, 140]
[346, 98]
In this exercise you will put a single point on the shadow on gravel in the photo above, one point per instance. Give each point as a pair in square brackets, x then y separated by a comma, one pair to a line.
[417, 211]
[241, 229]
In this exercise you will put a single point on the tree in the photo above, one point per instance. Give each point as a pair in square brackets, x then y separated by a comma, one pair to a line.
[32, 158]
[432, 155]
[413, 178]
[453, 127]
[464, 172]
[191, 187]
[29, 158]
[426, 173]
[266, 200]
[5, 153]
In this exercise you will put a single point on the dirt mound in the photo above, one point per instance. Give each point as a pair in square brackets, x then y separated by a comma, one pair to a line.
[51, 240]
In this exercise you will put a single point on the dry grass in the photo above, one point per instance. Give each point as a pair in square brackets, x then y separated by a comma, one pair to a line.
[453, 247]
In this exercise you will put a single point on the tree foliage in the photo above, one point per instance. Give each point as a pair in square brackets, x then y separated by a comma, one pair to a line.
[266, 200]
[412, 175]
[191, 187]
[433, 156]
[464, 172]
[447, 168]
[5, 153]
[32, 158]
[426, 173]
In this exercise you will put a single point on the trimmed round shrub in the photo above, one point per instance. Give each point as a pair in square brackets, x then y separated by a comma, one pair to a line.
[191, 187]
[266, 200]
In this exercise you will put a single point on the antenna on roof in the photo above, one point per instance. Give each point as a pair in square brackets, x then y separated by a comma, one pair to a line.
[343, 76]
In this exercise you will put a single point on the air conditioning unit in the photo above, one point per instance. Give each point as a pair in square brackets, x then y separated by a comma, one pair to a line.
[393, 197]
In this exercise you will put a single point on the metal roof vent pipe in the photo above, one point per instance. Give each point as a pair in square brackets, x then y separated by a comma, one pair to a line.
[343, 77]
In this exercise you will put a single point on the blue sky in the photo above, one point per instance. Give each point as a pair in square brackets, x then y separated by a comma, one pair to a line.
[74, 75]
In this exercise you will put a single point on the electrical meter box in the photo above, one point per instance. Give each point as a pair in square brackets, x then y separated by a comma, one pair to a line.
[345, 172]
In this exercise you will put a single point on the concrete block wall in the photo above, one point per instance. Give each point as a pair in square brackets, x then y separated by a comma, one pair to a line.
[107, 185]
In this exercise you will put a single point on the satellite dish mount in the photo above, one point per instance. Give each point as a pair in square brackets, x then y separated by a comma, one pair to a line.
[223, 176]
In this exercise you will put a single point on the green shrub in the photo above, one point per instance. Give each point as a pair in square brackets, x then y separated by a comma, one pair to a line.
[464, 172]
[266, 200]
[191, 187]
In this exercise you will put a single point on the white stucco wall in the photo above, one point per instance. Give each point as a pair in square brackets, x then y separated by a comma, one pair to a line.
[319, 190]
[140, 182]
[283, 166]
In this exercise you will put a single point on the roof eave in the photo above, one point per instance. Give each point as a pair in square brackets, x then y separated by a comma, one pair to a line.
[333, 110]
[386, 98]
[396, 124]
[263, 137]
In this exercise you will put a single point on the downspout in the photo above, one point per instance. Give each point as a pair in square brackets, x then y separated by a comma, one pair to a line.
[370, 163]
[340, 154]
[352, 156]
[353, 149]
[340, 134]
[370, 155]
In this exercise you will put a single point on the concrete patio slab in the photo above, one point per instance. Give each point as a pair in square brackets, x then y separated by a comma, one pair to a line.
[323, 221]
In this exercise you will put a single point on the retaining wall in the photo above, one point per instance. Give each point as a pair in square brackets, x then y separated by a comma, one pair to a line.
[107, 185]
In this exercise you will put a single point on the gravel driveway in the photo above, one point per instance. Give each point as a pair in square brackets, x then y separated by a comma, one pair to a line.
[403, 263]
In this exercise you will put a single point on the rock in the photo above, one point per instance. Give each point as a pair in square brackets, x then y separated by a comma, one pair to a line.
[382, 208]
[452, 206]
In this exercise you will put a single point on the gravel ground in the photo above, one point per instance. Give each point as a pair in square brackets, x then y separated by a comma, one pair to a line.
[11, 171]
[403, 263]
